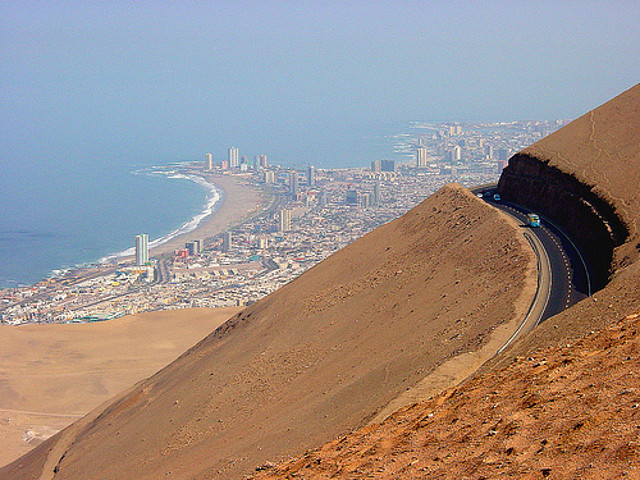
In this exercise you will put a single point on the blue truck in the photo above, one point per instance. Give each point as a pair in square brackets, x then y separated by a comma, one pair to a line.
[533, 220]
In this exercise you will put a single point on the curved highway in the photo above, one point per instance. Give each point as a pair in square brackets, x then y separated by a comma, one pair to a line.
[564, 277]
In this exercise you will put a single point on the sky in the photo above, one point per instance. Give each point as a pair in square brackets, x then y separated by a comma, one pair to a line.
[90, 84]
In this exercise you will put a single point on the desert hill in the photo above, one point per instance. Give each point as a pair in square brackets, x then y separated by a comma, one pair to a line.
[571, 409]
[323, 355]
[585, 177]
[570, 412]
[51, 375]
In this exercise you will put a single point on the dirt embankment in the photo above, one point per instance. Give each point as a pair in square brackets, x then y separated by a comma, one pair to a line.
[316, 359]
[585, 177]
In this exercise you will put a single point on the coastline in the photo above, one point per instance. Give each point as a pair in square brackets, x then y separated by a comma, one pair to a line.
[239, 200]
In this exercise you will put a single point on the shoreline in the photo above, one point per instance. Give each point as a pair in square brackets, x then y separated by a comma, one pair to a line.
[239, 199]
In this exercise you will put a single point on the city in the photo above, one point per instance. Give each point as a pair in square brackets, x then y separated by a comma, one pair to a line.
[310, 214]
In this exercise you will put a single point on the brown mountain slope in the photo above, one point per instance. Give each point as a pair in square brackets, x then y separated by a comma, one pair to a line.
[585, 177]
[51, 375]
[317, 358]
[571, 412]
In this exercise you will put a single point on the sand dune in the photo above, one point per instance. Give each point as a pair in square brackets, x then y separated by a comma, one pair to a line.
[50, 375]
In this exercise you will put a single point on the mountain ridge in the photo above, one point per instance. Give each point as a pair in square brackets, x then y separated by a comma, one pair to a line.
[317, 358]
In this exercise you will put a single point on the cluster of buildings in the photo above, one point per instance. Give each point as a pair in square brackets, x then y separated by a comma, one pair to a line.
[312, 213]
[233, 161]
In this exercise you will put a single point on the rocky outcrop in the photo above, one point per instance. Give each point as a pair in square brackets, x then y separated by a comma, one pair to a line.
[591, 220]
[585, 178]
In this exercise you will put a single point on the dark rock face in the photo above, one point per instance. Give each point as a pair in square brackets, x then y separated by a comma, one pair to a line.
[590, 220]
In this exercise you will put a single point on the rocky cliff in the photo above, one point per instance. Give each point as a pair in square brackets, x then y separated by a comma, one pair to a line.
[585, 178]
[594, 223]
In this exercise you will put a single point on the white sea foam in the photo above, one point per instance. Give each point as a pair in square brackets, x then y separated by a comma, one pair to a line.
[214, 196]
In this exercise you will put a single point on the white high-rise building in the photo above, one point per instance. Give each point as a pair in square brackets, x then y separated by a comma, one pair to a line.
[208, 161]
[456, 153]
[142, 249]
[285, 220]
[233, 157]
[421, 156]
[269, 176]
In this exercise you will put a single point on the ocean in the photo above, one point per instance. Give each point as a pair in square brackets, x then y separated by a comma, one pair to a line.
[51, 224]
[58, 213]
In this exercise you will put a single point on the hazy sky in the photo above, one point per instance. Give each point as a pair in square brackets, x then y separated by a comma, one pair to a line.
[91, 83]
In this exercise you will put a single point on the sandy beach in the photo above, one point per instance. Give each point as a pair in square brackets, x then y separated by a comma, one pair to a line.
[240, 200]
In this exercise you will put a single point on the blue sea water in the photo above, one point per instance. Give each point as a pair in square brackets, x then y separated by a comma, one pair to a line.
[59, 213]
[55, 221]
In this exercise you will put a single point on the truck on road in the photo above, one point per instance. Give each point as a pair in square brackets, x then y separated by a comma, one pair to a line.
[533, 220]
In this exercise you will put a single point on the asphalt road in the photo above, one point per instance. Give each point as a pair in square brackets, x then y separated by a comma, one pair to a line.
[569, 273]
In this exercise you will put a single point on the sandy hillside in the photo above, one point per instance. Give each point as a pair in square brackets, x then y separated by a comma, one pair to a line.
[50, 375]
[571, 412]
[571, 409]
[602, 150]
[316, 359]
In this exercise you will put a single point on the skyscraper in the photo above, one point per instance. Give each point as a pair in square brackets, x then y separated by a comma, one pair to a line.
[388, 165]
[142, 249]
[456, 153]
[421, 156]
[311, 176]
[233, 157]
[285, 220]
[377, 195]
[488, 151]
[226, 242]
[269, 176]
[209, 161]
[293, 182]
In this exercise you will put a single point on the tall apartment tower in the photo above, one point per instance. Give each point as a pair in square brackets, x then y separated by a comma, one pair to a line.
[233, 157]
[488, 151]
[377, 193]
[285, 220]
[208, 164]
[456, 153]
[226, 242]
[293, 182]
[311, 176]
[263, 160]
[142, 249]
[388, 165]
[269, 176]
[421, 156]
